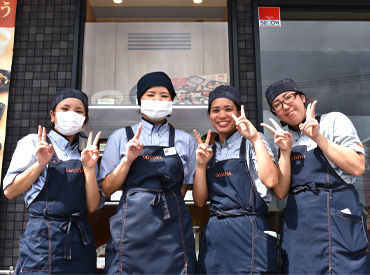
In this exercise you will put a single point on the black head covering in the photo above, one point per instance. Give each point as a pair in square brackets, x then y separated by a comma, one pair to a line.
[154, 79]
[224, 91]
[67, 93]
[279, 87]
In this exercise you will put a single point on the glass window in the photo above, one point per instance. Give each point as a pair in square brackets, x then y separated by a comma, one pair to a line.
[327, 54]
[123, 42]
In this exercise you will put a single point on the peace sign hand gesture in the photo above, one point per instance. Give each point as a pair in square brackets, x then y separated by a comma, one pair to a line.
[90, 155]
[245, 127]
[203, 152]
[311, 126]
[44, 151]
[134, 146]
[282, 138]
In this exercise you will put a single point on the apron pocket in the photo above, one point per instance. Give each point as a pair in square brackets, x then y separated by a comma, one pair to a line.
[265, 252]
[347, 232]
[34, 252]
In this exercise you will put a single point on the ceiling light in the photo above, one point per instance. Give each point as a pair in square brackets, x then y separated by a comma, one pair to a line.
[117, 1]
[197, 1]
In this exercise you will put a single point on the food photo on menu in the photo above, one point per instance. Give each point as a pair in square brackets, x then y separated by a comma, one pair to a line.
[191, 90]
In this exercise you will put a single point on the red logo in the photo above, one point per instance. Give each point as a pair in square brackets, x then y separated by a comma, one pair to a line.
[152, 157]
[77, 170]
[297, 157]
[223, 174]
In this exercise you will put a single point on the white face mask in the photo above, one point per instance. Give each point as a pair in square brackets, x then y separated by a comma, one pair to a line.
[156, 110]
[69, 123]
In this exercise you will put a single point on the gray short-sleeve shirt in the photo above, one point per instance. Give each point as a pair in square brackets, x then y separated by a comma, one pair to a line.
[339, 129]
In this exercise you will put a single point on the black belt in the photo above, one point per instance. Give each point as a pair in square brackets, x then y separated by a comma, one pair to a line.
[65, 225]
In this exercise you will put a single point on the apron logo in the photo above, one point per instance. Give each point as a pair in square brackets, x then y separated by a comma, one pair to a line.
[223, 174]
[77, 170]
[152, 157]
[297, 157]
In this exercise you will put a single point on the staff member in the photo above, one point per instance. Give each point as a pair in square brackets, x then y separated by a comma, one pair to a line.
[152, 229]
[59, 186]
[324, 229]
[235, 175]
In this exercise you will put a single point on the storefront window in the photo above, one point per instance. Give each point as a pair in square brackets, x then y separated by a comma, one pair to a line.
[123, 42]
[327, 54]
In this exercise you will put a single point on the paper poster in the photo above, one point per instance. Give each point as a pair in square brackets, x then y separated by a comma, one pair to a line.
[7, 25]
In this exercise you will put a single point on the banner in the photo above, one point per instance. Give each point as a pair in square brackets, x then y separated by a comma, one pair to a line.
[7, 25]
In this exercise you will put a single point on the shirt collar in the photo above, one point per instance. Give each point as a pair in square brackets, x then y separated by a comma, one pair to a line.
[61, 141]
[150, 127]
[230, 139]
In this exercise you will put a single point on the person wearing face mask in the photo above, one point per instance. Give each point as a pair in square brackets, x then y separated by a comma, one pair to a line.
[152, 163]
[324, 227]
[235, 175]
[59, 186]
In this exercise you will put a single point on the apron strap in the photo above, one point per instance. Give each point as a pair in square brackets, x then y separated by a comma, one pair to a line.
[66, 224]
[242, 152]
[232, 213]
[160, 197]
[171, 138]
[317, 187]
[54, 158]
[66, 227]
[213, 159]
[129, 132]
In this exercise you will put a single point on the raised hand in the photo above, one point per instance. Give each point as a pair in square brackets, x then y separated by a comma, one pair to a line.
[90, 155]
[134, 146]
[282, 138]
[203, 152]
[310, 127]
[44, 151]
[244, 126]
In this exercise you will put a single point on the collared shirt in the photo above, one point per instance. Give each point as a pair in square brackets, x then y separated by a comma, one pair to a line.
[151, 134]
[339, 129]
[230, 148]
[25, 156]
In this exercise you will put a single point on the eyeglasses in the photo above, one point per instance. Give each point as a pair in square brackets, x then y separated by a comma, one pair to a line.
[277, 105]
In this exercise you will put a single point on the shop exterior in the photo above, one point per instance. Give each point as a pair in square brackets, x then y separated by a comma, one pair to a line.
[323, 45]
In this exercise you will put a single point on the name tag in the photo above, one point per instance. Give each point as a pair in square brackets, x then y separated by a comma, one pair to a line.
[311, 145]
[169, 151]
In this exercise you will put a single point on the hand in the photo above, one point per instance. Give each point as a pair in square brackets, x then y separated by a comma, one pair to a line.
[134, 146]
[90, 155]
[203, 152]
[44, 151]
[245, 127]
[282, 138]
[311, 126]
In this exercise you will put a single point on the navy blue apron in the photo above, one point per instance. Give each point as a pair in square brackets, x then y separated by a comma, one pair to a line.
[317, 237]
[151, 233]
[234, 241]
[58, 238]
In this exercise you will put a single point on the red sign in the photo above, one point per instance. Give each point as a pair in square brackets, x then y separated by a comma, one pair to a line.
[7, 13]
[269, 17]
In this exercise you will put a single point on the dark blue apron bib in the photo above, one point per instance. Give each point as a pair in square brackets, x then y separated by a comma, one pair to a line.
[234, 241]
[58, 238]
[317, 238]
[151, 233]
